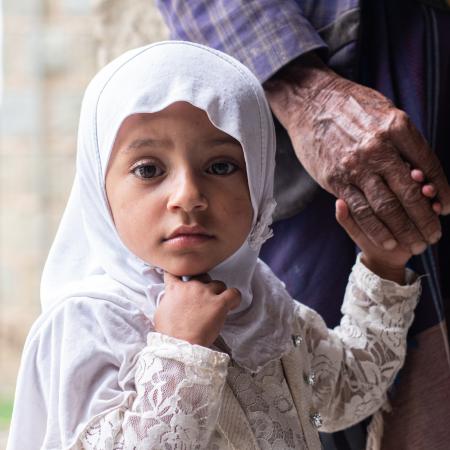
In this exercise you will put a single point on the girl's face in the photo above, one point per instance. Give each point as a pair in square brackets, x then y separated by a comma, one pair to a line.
[178, 192]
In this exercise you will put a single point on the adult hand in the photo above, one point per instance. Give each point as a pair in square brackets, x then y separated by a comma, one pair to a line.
[388, 264]
[360, 148]
[195, 310]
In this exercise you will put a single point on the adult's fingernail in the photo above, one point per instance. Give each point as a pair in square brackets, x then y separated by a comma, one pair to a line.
[390, 244]
[435, 237]
[418, 248]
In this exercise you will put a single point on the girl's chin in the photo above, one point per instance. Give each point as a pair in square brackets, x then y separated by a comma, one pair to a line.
[190, 270]
[189, 273]
[189, 265]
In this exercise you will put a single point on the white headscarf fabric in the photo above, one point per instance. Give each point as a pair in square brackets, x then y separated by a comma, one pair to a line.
[88, 258]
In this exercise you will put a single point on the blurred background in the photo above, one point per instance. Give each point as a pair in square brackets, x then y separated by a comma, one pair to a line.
[49, 50]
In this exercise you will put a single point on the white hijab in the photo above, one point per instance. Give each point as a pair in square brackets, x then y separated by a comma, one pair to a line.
[88, 259]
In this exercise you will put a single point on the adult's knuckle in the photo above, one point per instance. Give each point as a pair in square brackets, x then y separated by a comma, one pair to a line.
[411, 196]
[377, 152]
[350, 162]
[429, 224]
[373, 228]
[386, 207]
[346, 171]
[398, 123]
[405, 230]
[359, 209]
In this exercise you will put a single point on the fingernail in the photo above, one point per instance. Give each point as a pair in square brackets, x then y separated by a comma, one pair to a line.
[390, 244]
[418, 248]
[435, 237]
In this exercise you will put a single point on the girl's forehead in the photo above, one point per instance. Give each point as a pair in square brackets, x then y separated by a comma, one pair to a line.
[178, 119]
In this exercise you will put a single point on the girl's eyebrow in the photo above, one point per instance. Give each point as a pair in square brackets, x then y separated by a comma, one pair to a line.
[147, 142]
[225, 140]
[162, 143]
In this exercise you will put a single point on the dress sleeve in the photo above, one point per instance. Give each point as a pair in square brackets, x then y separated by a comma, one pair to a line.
[95, 375]
[353, 365]
[263, 34]
[177, 400]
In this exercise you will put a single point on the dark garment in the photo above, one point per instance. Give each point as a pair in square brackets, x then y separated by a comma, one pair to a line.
[406, 56]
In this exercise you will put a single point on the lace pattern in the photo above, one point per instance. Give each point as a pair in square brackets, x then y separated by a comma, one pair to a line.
[268, 404]
[178, 391]
[356, 362]
[179, 386]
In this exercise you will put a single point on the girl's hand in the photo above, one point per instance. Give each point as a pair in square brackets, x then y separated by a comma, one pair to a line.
[386, 263]
[195, 310]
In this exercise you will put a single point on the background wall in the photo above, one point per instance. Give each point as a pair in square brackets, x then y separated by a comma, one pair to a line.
[51, 49]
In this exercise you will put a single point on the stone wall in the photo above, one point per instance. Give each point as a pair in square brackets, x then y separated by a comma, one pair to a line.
[124, 24]
[51, 50]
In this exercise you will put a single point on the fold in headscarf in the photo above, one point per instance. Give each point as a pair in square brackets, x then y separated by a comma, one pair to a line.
[88, 259]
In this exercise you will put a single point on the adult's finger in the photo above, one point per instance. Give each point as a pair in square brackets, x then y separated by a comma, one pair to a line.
[418, 208]
[414, 149]
[389, 210]
[366, 219]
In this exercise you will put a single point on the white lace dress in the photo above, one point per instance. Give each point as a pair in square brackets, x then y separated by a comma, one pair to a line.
[179, 387]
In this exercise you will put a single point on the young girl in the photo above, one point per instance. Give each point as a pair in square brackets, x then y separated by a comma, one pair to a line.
[161, 328]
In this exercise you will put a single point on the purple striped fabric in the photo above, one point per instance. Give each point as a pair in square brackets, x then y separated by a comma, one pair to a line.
[263, 34]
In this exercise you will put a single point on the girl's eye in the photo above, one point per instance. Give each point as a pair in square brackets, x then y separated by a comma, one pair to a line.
[222, 168]
[147, 171]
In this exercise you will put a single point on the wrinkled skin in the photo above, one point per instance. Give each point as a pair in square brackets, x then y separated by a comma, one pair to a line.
[360, 148]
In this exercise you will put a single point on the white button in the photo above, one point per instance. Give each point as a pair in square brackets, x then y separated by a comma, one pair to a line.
[310, 379]
[316, 419]
[297, 340]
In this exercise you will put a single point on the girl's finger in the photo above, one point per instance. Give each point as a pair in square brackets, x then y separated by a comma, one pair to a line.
[437, 207]
[429, 190]
[417, 175]
[345, 219]
[170, 279]
[217, 286]
[203, 278]
[232, 298]
[347, 222]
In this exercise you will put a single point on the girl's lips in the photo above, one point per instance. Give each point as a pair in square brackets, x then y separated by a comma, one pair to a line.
[188, 230]
[187, 240]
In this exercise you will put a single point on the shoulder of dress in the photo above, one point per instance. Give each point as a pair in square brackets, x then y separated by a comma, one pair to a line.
[87, 316]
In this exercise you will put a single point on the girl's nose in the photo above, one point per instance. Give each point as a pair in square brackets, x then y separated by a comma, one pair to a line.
[187, 195]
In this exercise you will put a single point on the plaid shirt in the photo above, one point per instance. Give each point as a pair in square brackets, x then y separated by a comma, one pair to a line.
[266, 34]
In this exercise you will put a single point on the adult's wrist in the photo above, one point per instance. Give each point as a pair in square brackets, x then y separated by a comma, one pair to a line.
[295, 87]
